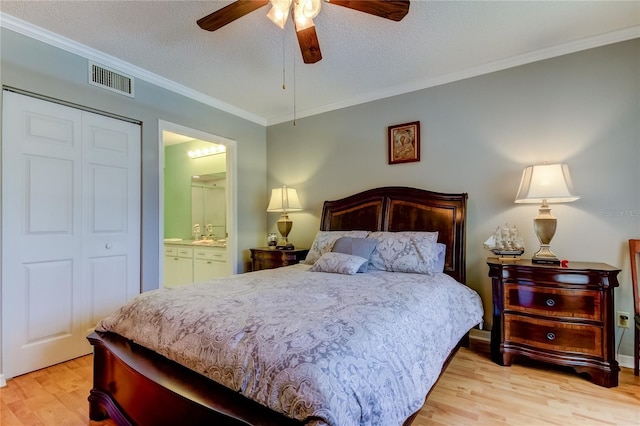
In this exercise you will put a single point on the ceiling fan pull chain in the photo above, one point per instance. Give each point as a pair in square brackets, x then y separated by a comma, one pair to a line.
[294, 90]
[283, 64]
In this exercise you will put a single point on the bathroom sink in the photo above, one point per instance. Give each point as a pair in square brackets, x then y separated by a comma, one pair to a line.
[211, 243]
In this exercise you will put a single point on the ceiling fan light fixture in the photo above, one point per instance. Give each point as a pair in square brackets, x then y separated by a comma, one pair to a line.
[303, 23]
[300, 18]
[310, 8]
[279, 12]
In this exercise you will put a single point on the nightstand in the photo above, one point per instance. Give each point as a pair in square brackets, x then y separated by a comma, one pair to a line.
[269, 258]
[553, 314]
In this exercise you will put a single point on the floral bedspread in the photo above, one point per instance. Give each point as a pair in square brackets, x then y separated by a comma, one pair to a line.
[333, 349]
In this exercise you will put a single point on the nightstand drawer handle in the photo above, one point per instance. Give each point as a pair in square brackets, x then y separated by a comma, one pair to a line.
[551, 336]
[550, 302]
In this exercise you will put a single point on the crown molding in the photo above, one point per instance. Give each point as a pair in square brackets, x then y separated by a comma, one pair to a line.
[25, 28]
[514, 61]
[30, 30]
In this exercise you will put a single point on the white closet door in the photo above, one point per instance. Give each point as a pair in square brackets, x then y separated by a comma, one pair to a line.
[111, 215]
[46, 253]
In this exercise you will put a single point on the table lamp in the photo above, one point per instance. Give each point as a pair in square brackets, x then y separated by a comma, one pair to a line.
[545, 183]
[284, 200]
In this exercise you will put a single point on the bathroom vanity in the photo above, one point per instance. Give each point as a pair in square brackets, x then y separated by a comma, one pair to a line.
[187, 262]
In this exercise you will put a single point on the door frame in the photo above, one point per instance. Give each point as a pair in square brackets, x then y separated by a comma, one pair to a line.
[230, 192]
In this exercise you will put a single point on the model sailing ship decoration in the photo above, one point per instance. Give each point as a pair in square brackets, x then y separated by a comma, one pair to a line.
[505, 241]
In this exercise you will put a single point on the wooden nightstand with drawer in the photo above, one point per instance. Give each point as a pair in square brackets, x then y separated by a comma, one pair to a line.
[559, 315]
[269, 258]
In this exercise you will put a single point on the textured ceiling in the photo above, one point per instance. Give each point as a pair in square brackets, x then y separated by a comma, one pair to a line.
[240, 67]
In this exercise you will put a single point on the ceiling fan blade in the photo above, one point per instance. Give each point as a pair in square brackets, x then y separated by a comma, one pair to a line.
[230, 13]
[389, 9]
[309, 46]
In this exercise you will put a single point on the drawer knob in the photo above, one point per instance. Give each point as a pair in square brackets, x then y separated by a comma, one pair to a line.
[551, 336]
[550, 302]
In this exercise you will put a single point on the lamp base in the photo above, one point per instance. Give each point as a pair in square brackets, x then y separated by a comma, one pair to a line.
[545, 227]
[545, 256]
[543, 261]
[284, 226]
[288, 246]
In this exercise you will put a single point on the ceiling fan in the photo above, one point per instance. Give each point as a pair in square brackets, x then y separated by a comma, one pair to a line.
[303, 12]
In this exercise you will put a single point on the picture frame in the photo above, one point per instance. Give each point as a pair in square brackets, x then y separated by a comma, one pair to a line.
[404, 143]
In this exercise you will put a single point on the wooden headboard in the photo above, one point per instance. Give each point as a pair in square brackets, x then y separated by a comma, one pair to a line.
[397, 208]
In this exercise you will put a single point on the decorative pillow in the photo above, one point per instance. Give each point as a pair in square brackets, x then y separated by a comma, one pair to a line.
[414, 252]
[338, 263]
[441, 254]
[362, 247]
[324, 240]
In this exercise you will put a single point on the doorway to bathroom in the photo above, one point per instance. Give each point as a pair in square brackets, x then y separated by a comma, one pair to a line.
[195, 163]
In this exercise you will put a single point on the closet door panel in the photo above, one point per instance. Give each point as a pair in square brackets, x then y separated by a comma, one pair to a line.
[111, 233]
[41, 234]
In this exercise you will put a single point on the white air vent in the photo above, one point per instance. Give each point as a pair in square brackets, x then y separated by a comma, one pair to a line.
[109, 79]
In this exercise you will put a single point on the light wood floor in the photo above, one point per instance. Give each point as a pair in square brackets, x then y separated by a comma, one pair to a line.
[473, 391]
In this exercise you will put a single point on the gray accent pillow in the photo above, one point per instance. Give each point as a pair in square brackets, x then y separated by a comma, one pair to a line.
[362, 247]
[323, 243]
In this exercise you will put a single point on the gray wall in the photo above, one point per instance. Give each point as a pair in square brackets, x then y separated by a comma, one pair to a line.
[477, 136]
[36, 67]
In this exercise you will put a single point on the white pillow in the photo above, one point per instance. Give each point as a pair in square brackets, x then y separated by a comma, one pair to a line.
[338, 263]
[415, 252]
[324, 241]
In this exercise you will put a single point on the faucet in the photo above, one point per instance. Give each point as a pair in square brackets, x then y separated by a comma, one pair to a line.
[196, 231]
[210, 233]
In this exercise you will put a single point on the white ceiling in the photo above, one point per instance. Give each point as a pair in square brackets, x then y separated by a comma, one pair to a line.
[239, 68]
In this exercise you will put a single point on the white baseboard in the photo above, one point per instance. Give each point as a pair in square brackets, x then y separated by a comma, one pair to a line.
[482, 335]
[625, 361]
[3, 382]
[485, 336]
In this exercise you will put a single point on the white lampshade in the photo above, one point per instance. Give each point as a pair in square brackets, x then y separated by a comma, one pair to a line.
[550, 182]
[284, 200]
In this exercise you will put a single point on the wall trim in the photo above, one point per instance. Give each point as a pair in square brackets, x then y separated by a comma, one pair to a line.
[480, 335]
[3, 382]
[625, 361]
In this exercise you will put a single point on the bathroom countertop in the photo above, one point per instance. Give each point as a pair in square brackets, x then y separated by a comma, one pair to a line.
[198, 243]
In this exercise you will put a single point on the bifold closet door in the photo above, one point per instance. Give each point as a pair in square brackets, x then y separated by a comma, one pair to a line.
[70, 228]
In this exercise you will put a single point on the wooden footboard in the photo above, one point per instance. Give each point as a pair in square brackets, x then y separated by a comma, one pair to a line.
[135, 386]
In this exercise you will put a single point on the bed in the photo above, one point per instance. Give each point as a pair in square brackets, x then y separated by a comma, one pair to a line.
[134, 384]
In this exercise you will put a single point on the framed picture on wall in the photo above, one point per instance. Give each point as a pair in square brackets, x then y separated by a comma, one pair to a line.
[404, 143]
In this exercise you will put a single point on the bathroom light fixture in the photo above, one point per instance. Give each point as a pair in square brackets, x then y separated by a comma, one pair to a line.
[204, 152]
[545, 183]
[284, 200]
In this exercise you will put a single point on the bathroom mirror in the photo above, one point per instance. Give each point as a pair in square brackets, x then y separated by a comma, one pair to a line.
[208, 208]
